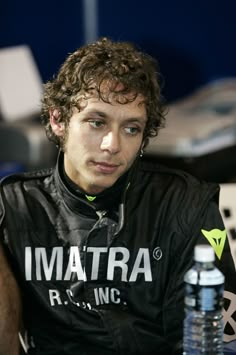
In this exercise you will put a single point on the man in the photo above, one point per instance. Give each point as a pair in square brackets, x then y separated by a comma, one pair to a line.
[99, 245]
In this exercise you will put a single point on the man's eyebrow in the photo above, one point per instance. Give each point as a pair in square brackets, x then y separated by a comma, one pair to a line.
[104, 114]
[96, 112]
[138, 119]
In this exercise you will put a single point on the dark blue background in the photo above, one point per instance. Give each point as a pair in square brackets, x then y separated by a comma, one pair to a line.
[193, 40]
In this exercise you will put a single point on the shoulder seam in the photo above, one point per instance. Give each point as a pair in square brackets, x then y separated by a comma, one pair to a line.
[31, 175]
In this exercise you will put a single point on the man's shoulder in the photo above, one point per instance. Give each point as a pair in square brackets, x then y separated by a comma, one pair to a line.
[175, 179]
[178, 193]
[163, 171]
[25, 177]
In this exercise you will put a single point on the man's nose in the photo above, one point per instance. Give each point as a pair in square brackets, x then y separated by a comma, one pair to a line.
[111, 142]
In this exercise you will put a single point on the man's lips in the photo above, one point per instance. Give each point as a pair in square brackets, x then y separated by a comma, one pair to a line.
[105, 167]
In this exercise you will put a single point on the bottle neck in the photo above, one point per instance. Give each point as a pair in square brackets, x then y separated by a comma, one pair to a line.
[207, 265]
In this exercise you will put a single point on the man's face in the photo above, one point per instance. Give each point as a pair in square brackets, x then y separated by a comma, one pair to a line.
[102, 142]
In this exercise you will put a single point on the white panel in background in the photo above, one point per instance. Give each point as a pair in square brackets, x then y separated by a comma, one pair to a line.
[199, 124]
[20, 84]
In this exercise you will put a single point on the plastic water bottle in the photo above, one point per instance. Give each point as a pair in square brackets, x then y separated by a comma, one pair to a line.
[203, 323]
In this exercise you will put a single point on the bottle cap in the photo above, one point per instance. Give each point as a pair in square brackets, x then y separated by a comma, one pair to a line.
[204, 253]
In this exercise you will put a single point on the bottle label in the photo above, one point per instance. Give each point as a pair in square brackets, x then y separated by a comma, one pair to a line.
[204, 277]
[204, 298]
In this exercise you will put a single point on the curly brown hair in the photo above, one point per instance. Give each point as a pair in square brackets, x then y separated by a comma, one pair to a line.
[105, 61]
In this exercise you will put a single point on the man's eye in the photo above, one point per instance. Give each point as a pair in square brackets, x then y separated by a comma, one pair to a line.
[132, 130]
[96, 124]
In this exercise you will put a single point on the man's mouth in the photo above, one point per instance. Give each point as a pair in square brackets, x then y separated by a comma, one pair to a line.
[106, 168]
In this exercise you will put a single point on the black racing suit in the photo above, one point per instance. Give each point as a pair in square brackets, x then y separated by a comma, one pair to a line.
[99, 280]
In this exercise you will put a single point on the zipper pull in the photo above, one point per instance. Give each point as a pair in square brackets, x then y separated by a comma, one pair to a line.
[101, 214]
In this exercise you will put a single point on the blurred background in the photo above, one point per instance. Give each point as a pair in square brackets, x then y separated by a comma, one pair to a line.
[194, 42]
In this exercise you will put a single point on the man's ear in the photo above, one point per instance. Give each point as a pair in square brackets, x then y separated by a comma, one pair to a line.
[57, 126]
